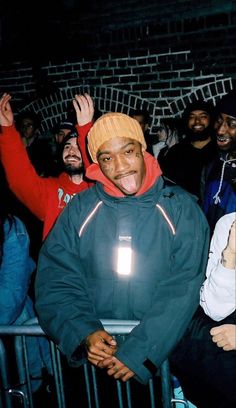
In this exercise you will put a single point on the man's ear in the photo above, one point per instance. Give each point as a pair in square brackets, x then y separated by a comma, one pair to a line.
[143, 150]
[146, 127]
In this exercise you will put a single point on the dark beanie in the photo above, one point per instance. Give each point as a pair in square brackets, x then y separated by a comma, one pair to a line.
[69, 136]
[227, 104]
[202, 105]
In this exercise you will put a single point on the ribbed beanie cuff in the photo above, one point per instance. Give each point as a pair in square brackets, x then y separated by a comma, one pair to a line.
[112, 125]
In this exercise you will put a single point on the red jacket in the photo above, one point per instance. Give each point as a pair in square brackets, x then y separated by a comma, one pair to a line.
[45, 197]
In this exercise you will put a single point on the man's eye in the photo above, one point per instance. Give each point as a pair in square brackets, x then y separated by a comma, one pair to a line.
[106, 159]
[232, 125]
[130, 151]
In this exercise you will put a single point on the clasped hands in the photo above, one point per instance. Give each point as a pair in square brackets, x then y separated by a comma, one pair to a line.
[101, 347]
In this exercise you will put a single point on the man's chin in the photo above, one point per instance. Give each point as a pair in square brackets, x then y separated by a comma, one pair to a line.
[72, 170]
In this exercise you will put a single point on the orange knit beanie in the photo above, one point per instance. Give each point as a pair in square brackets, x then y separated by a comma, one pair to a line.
[111, 125]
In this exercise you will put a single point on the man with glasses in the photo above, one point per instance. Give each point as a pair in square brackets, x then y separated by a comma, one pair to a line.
[220, 174]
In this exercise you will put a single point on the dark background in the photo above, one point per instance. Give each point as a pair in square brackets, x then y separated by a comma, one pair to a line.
[46, 29]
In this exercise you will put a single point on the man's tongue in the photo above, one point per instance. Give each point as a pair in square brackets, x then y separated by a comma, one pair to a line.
[128, 183]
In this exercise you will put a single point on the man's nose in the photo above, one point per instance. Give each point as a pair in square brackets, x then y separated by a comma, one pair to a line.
[120, 163]
[222, 128]
[197, 119]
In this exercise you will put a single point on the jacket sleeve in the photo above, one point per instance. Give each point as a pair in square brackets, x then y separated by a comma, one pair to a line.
[218, 298]
[21, 175]
[82, 142]
[60, 277]
[15, 272]
[177, 296]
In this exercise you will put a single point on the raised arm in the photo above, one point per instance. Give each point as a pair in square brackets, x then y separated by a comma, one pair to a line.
[21, 175]
[84, 109]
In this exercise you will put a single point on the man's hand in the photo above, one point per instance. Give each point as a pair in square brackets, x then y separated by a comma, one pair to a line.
[84, 108]
[232, 238]
[116, 368]
[6, 115]
[99, 345]
[224, 336]
[229, 253]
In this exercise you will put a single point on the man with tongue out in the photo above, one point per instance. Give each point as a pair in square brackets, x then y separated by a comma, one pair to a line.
[128, 248]
[220, 175]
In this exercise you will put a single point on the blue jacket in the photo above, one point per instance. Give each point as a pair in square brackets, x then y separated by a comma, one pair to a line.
[77, 283]
[15, 272]
[15, 305]
[219, 185]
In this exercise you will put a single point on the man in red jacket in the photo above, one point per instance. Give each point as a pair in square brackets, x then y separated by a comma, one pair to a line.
[45, 197]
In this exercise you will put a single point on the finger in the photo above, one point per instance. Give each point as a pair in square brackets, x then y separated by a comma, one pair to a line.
[94, 362]
[215, 330]
[221, 343]
[228, 347]
[76, 106]
[124, 374]
[114, 370]
[127, 376]
[99, 351]
[89, 100]
[106, 363]
[82, 101]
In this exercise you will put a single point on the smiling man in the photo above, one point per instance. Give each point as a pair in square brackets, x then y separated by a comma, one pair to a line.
[45, 197]
[220, 175]
[184, 162]
[127, 248]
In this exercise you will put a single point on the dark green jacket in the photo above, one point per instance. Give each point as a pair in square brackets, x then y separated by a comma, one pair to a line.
[77, 283]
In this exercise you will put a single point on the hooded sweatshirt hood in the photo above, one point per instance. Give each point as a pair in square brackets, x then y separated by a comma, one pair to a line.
[153, 172]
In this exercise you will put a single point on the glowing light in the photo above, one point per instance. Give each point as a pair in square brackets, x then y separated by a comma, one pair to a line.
[124, 260]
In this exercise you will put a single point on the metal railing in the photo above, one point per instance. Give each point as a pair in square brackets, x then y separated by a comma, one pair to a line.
[18, 392]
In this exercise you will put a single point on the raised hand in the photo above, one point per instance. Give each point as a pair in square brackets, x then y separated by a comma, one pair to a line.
[84, 108]
[6, 114]
[99, 345]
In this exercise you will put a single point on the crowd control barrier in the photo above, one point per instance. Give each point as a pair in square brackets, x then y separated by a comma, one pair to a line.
[16, 387]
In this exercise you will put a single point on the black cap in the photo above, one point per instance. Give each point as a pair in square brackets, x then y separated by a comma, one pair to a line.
[227, 104]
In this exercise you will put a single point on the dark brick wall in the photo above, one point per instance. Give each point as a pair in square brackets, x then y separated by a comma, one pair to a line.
[163, 83]
[156, 53]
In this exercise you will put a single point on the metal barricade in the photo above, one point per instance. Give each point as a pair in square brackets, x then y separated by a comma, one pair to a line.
[18, 393]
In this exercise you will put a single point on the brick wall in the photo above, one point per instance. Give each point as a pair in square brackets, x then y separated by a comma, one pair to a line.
[162, 83]
[157, 54]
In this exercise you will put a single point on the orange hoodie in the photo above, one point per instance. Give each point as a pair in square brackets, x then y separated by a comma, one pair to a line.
[153, 171]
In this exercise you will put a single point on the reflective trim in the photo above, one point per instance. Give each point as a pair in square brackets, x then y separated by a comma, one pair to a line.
[166, 218]
[89, 217]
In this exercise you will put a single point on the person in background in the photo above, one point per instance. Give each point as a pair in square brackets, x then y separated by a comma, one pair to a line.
[166, 137]
[45, 197]
[130, 248]
[59, 133]
[143, 118]
[37, 147]
[205, 359]
[184, 162]
[16, 270]
[219, 178]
